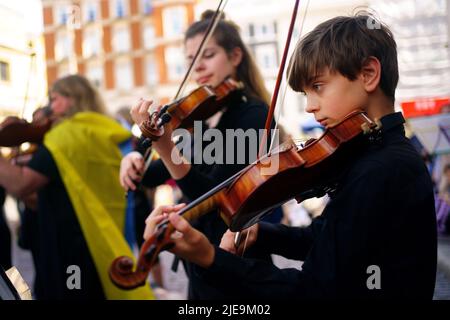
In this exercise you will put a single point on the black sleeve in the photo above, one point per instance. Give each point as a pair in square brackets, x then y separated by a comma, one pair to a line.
[337, 246]
[43, 162]
[156, 174]
[257, 279]
[197, 181]
[290, 242]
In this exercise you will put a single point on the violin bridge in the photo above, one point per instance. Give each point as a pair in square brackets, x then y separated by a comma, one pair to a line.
[365, 128]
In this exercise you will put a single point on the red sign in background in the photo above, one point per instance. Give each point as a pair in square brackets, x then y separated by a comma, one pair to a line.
[424, 107]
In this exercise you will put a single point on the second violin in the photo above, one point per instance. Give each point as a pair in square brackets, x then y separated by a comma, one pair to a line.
[200, 104]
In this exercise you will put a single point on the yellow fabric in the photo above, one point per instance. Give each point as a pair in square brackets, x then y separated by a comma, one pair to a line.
[85, 149]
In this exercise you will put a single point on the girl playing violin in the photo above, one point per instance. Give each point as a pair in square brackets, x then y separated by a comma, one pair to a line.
[376, 238]
[225, 55]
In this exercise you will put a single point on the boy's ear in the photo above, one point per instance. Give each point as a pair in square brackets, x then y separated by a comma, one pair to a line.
[371, 73]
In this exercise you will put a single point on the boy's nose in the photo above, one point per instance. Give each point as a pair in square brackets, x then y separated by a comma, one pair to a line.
[311, 105]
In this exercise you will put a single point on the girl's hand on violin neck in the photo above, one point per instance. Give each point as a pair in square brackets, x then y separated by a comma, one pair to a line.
[140, 111]
[131, 170]
[247, 239]
[158, 215]
[164, 145]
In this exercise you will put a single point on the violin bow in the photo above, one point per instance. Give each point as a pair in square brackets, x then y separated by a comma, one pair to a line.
[273, 104]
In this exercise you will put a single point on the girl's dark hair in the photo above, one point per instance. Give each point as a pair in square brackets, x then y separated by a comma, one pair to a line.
[343, 44]
[227, 36]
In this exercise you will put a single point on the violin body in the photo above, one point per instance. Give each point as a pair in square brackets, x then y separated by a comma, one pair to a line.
[293, 173]
[199, 104]
[15, 131]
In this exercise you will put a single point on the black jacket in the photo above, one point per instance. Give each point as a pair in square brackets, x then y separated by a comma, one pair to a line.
[378, 229]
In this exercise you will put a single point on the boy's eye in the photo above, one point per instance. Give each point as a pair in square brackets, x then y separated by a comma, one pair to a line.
[317, 86]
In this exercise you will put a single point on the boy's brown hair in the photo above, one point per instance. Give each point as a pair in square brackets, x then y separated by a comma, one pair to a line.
[343, 44]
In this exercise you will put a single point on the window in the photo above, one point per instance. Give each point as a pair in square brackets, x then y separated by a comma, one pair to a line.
[266, 57]
[69, 15]
[175, 62]
[151, 71]
[149, 36]
[4, 71]
[95, 74]
[123, 74]
[63, 14]
[175, 20]
[121, 38]
[119, 8]
[64, 45]
[262, 31]
[91, 42]
[90, 11]
[251, 30]
[147, 6]
[63, 70]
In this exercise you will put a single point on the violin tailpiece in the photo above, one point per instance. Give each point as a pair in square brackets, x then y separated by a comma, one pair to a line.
[378, 123]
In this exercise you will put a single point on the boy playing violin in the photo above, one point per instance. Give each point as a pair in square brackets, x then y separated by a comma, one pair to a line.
[376, 238]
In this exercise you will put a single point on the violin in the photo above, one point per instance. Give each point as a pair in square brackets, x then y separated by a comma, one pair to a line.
[22, 136]
[15, 131]
[200, 104]
[246, 197]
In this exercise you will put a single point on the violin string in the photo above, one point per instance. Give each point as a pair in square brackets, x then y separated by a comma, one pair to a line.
[245, 242]
[274, 101]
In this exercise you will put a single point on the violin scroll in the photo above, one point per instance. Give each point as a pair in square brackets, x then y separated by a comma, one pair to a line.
[123, 272]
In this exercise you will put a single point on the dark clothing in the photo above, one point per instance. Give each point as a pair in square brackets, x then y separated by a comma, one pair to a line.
[28, 238]
[247, 114]
[61, 241]
[381, 214]
[5, 235]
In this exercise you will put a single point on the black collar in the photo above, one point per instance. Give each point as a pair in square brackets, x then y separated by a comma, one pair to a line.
[391, 121]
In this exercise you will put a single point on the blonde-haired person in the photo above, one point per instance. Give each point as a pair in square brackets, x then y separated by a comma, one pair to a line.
[225, 55]
[80, 203]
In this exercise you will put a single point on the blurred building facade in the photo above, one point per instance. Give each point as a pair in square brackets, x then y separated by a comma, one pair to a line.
[264, 26]
[22, 67]
[128, 48]
[133, 48]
